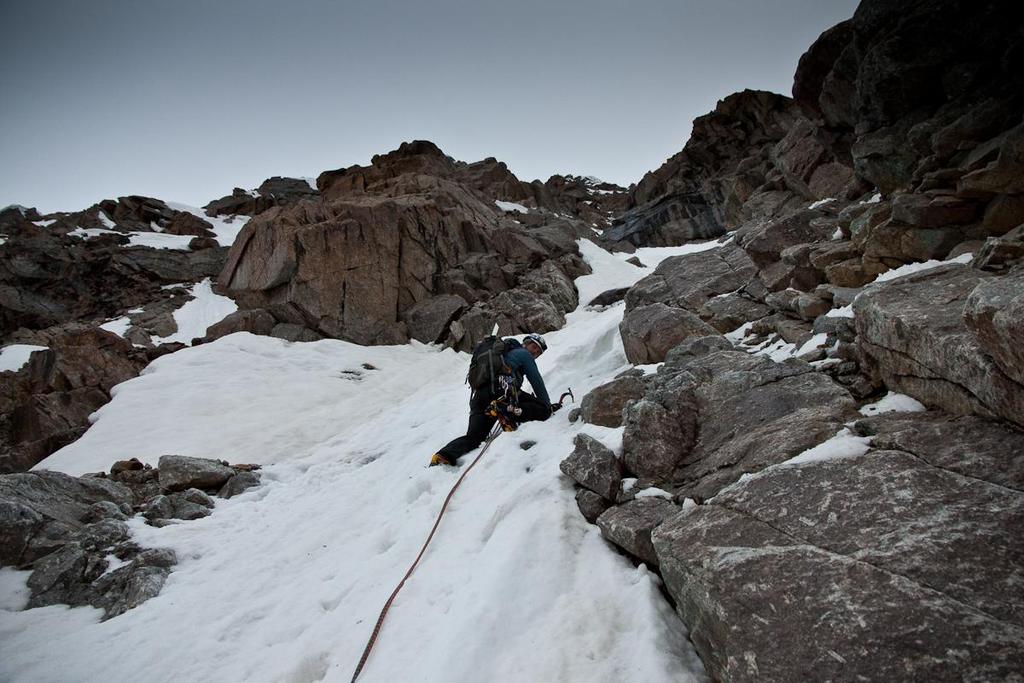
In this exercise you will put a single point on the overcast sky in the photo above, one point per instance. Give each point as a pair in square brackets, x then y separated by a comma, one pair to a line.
[185, 100]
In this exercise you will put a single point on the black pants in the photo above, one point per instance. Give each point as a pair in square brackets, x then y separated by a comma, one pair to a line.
[480, 424]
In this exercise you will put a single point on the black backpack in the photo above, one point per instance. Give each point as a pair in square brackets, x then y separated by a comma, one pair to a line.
[487, 363]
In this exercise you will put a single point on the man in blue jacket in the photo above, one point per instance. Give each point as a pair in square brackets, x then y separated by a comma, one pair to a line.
[522, 360]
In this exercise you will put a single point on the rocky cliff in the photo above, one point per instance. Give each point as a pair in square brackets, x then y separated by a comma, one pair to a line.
[875, 245]
[418, 245]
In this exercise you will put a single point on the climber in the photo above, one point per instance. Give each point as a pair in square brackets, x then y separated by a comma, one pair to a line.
[496, 395]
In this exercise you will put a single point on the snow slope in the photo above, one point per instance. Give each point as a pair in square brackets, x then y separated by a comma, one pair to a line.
[284, 582]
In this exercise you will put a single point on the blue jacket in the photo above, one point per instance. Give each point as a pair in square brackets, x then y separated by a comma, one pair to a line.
[523, 365]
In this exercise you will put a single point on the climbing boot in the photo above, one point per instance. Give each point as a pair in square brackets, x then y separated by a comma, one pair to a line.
[438, 459]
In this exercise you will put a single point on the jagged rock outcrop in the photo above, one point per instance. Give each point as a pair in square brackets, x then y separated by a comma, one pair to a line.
[707, 420]
[383, 242]
[46, 405]
[50, 277]
[902, 144]
[276, 191]
[755, 157]
[70, 531]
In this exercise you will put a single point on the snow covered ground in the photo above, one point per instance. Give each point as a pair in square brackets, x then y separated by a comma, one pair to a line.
[225, 228]
[284, 582]
[196, 315]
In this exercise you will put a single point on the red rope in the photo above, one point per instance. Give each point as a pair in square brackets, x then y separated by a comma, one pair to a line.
[387, 605]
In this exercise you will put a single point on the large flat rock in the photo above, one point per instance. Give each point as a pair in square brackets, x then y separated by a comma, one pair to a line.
[649, 332]
[690, 280]
[884, 567]
[912, 335]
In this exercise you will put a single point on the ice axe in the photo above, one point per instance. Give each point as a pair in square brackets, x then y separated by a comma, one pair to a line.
[561, 399]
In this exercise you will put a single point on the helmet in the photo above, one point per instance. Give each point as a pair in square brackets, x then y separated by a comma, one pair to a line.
[536, 339]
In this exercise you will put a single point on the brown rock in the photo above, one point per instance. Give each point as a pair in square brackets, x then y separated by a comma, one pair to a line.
[603, 406]
[48, 404]
[1003, 214]
[650, 331]
[185, 223]
[390, 236]
[1002, 175]
[428, 320]
[933, 212]
[256, 321]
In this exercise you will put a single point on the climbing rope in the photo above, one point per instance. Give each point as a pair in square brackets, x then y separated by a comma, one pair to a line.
[380, 620]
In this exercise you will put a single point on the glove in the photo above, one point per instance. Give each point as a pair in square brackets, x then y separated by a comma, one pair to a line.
[555, 407]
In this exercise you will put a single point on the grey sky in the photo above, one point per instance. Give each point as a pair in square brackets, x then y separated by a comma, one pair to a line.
[184, 100]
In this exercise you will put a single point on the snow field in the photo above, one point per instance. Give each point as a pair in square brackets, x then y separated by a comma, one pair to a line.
[199, 313]
[285, 582]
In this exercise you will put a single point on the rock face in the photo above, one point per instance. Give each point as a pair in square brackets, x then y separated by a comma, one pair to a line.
[47, 404]
[48, 277]
[902, 143]
[994, 312]
[410, 245]
[913, 335]
[882, 565]
[700, 192]
[705, 422]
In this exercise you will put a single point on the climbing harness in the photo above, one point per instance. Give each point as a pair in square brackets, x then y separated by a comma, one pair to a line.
[380, 620]
[506, 408]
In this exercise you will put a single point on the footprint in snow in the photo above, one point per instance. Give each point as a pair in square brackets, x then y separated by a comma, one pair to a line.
[417, 489]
